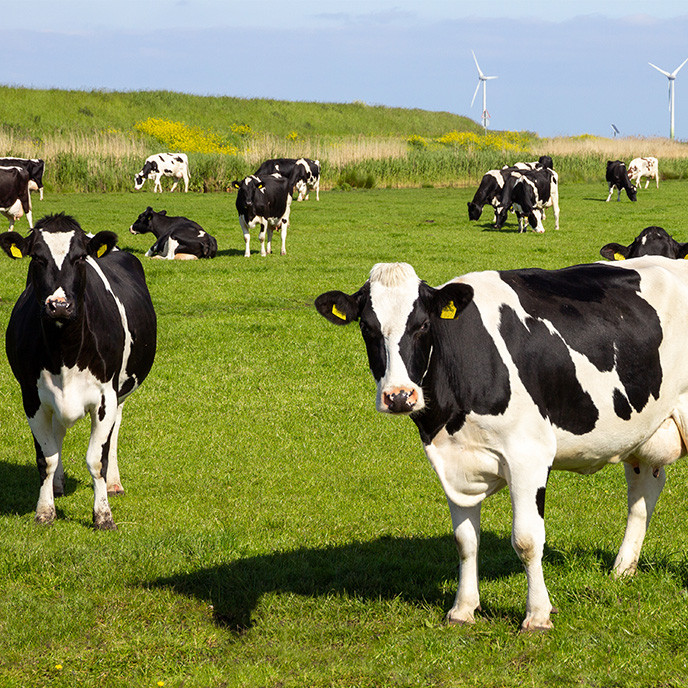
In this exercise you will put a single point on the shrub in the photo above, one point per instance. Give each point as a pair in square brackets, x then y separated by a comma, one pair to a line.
[179, 136]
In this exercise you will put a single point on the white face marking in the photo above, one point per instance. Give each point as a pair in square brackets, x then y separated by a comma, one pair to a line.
[58, 243]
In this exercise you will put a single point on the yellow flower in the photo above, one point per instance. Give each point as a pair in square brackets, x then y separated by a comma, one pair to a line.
[58, 667]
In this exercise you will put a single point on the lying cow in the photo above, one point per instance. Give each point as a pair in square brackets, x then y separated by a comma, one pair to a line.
[178, 238]
[617, 178]
[34, 166]
[303, 174]
[528, 193]
[175, 165]
[643, 167]
[15, 199]
[652, 241]
[266, 201]
[80, 340]
[509, 374]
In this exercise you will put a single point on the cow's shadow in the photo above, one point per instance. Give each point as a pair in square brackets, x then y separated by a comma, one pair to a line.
[416, 570]
[19, 486]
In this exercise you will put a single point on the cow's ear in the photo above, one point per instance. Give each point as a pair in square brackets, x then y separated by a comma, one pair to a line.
[101, 244]
[339, 308]
[451, 299]
[14, 244]
[682, 251]
[162, 212]
[235, 185]
[614, 252]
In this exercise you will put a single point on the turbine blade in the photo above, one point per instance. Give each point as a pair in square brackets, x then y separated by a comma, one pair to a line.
[659, 70]
[475, 59]
[675, 72]
[490, 77]
[476, 92]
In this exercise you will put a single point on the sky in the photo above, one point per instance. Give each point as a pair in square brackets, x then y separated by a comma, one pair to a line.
[564, 67]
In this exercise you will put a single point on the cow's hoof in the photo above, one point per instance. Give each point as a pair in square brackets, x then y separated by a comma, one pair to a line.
[103, 522]
[115, 490]
[45, 518]
[532, 626]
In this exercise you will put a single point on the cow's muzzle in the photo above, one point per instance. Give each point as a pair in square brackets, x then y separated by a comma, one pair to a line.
[59, 308]
[399, 400]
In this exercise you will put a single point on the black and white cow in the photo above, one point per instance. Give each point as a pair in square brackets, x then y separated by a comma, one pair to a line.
[542, 161]
[643, 167]
[80, 339]
[652, 241]
[178, 238]
[15, 198]
[303, 174]
[528, 193]
[617, 178]
[160, 165]
[34, 166]
[266, 201]
[511, 374]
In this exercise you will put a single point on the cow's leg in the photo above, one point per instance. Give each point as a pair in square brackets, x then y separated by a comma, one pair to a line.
[466, 524]
[528, 539]
[59, 432]
[261, 237]
[47, 460]
[284, 225]
[317, 190]
[611, 191]
[186, 181]
[618, 198]
[156, 183]
[270, 230]
[114, 484]
[644, 489]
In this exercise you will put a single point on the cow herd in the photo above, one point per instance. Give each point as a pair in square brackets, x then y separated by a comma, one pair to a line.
[506, 374]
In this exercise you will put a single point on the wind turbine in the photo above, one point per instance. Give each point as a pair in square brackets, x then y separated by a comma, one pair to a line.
[672, 77]
[482, 79]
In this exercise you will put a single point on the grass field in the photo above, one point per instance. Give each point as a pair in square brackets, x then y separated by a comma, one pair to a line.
[276, 530]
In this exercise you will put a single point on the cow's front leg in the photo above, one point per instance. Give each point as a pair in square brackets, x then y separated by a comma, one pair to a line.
[644, 488]
[265, 237]
[284, 225]
[47, 460]
[102, 426]
[114, 484]
[59, 432]
[466, 523]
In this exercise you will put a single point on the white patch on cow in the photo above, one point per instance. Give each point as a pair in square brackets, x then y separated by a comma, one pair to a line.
[58, 244]
[393, 293]
[57, 295]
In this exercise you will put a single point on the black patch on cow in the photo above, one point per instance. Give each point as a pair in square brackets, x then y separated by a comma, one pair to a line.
[621, 406]
[540, 501]
[599, 312]
[40, 461]
[101, 408]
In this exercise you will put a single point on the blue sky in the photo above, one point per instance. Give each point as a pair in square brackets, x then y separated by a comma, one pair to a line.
[564, 68]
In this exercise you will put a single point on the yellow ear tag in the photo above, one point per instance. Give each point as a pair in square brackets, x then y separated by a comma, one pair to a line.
[338, 313]
[101, 251]
[15, 251]
[449, 311]
[618, 256]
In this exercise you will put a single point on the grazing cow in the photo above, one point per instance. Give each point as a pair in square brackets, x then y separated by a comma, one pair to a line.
[529, 192]
[617, 178]
[652, 241]
[34, 166]
[303, 174]
[510, 374]
[178, 238]
[15, 199]
[80, 339]
[164, 164]
[266, 201]
[643, 167]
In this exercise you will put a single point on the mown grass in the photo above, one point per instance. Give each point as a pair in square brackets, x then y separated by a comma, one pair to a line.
[276, 530]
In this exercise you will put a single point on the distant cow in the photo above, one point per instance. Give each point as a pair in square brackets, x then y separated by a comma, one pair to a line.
[264, 200]
[34, 166]
[542, 161]
[177, 237]
[529, 192]
[652, 241]
[617, 178]
[303, 174]
[510, 374]
[15, 199]
[643, 167]
[80, 340]
[160, 165]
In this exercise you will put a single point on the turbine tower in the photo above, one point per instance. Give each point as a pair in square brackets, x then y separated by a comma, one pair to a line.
[482, 79]
[672, 77]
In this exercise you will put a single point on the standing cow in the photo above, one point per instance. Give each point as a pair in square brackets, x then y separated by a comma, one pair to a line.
[15, 199]
[80, 340]
[34, 166]
[617, 178]
[175, 165]
[511, 374]
[303, 174]
[643, 167]
[528, 193]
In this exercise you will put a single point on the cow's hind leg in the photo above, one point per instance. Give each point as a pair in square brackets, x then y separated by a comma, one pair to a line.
[644, 487]
[114, 484]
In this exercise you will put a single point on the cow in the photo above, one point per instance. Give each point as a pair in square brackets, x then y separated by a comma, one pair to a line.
[264, 200]
[34, 166]
[617, 178]
[542, 161]
[81, 338]
[303, 174]
[510, 374]
[15, 199]
[652, 241]
[529, 192]
[164, 164]
[178, 238]
[643, 167]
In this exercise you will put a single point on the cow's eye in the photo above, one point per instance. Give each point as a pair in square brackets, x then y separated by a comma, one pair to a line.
[425, 327]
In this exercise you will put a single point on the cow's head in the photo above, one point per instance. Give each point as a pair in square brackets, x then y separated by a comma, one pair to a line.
[474, 211]
[59, 250]
[150, 167]
[247, 189]
[144, 221]
[398, 315]
[652, 241]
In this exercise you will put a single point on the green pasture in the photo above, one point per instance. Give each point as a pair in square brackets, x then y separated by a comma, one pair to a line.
[276, 530]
